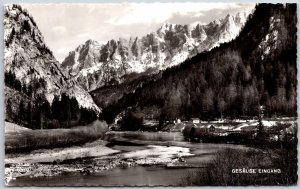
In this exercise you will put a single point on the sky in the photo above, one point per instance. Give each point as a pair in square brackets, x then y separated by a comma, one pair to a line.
[65, 26]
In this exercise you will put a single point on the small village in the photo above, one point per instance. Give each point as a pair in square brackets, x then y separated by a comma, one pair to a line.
[241, 130]
[225, 131]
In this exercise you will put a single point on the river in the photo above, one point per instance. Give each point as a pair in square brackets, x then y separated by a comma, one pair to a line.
[133, 144]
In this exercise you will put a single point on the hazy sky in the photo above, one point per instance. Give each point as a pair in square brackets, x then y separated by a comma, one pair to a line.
[65, 26]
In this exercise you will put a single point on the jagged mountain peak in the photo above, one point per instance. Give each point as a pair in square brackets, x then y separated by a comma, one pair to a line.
[89, 44]
[228, 16]
[216, 22]
[167, 46]
[167, 26]
[91, 41]
[29, 65]
[229, 22]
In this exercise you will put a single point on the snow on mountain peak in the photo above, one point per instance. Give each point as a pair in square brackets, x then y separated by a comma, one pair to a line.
[170, 45]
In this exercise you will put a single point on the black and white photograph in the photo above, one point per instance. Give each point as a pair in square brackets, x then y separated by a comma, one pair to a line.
[150, 94]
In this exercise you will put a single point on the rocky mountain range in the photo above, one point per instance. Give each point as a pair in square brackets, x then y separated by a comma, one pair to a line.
[95, 65]
[32, 72]
[224, 68]
[258, 67]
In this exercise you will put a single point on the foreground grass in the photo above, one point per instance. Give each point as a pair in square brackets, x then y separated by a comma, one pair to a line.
[27, 140]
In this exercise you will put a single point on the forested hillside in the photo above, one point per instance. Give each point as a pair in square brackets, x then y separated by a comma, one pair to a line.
[37, 93]
[257, 68]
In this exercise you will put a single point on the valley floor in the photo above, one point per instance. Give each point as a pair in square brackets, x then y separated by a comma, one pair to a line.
[90, 158]
[116, 150]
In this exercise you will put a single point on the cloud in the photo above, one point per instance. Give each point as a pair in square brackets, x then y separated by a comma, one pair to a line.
[85, 35]
[208, 15]
[59, 29]
[91, 9]
[66, 25]
[161, 12]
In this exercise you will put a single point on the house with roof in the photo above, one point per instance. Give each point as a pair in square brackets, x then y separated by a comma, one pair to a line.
[211, 128]
[195, 120]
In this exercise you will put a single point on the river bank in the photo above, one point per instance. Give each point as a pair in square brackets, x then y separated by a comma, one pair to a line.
[102, 157]
[91, 158]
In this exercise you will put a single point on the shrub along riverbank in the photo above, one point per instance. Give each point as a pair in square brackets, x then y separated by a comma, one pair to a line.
[271, 164]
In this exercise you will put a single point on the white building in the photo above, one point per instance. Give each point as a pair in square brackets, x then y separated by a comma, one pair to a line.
[195, 120]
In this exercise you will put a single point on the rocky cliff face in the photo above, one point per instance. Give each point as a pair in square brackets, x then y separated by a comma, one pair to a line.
[94, 65]
[31, 71]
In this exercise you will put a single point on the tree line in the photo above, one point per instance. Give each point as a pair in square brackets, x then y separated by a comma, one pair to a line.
[34, 111]
[64, 112]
